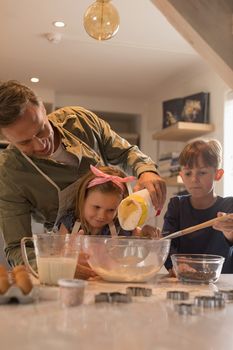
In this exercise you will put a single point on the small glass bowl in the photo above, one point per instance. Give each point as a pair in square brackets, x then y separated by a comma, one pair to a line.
[197, 268]
[71, 291]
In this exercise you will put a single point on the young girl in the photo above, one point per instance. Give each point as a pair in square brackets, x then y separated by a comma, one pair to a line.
[200, 167]
[98, 196]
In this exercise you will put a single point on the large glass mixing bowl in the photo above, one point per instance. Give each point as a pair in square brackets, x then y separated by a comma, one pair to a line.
[124, 259]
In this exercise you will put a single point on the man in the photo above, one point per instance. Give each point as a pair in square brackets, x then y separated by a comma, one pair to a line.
[47, 155]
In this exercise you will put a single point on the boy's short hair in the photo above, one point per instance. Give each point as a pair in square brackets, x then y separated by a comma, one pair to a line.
[209, 150]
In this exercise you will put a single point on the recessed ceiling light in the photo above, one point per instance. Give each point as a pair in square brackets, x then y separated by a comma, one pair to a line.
[59, 24]
[35, 80]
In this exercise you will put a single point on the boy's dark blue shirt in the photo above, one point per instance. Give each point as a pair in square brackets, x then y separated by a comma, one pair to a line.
[181, 214]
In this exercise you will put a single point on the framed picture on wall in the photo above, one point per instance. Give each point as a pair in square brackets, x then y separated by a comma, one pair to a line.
[191, 109]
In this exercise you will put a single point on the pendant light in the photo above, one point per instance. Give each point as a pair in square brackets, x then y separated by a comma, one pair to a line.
[101, 20]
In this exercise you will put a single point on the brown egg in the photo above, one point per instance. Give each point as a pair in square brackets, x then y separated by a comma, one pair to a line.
[4, 284]
[23, 281]
[18, 268]
[3, 271]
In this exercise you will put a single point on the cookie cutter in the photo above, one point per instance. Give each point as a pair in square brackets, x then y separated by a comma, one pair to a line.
[177, 295]
[185, 309]
[114, 297]
[139, 291]
[209, 302]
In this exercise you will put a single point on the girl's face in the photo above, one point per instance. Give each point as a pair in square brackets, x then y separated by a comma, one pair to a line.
[100, 208]
[199, 180]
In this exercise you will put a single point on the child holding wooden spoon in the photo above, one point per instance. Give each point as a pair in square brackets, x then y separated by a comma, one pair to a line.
[200, 168]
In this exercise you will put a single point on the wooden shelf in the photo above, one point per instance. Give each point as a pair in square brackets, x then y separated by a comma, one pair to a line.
[183, 131]
[174, 181]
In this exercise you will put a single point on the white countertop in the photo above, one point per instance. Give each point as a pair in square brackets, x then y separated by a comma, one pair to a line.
[148, 323]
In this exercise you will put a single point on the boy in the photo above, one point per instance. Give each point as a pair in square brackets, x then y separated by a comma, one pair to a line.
[200, 167]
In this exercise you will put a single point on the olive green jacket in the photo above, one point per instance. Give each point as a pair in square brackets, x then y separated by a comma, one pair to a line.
[24, 192]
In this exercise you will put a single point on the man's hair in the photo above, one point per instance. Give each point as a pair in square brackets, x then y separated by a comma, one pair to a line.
[210, 152]
[14, 98]
[107, 187]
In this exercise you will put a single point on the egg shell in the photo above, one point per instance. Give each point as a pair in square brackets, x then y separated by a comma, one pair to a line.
[23, 281]
[3, 271]
[18, 269]
[4, 284]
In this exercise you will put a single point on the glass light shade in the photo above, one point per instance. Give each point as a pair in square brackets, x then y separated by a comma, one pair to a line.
[101, 20]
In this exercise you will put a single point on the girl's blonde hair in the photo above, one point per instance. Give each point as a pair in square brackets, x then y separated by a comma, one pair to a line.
[209, 150]
[107, 187]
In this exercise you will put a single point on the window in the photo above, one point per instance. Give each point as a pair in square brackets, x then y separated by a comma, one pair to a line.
[228, 146]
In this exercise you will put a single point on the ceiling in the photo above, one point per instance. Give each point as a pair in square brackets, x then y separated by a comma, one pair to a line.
[145, 52]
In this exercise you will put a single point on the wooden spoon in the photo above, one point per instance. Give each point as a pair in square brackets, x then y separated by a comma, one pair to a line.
[191, 229]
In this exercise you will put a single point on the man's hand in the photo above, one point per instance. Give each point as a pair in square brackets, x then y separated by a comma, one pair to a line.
[156, 187]
[226, 226]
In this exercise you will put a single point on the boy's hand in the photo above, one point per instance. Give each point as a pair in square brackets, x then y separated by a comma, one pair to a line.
[226, 226]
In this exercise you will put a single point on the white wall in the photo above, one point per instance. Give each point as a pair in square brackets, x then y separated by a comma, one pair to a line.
[103, 104]
[47, 95]
[189, 84]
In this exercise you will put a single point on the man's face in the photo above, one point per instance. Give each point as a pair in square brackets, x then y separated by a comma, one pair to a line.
[32, 133]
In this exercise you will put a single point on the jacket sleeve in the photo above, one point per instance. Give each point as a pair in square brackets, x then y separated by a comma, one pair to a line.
[97, 134]
[119, 151]
[15, 219]
[172, 224]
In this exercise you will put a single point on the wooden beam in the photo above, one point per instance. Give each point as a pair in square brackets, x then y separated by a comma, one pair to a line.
[196, 40]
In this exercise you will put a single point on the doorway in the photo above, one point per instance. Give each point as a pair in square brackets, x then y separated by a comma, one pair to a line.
[228, 146]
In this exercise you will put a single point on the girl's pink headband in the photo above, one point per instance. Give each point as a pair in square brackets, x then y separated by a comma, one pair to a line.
[102, 178]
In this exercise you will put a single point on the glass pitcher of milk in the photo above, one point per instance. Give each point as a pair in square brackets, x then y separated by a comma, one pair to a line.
[56, 256]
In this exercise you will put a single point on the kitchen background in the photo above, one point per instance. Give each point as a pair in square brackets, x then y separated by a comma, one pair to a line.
[126, 79]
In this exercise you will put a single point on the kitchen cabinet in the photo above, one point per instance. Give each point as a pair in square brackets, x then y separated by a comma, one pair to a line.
[181, 132]
[124, 124]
